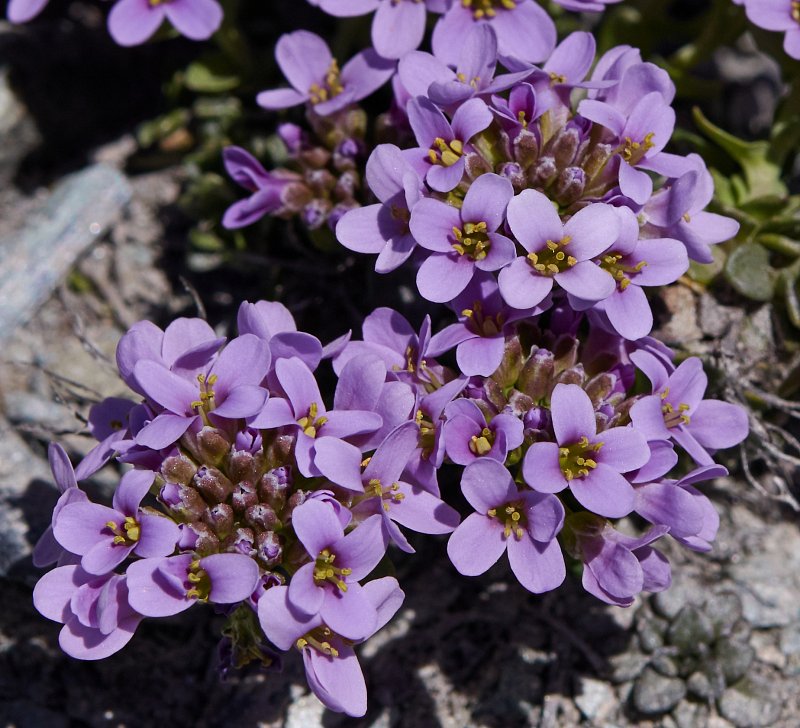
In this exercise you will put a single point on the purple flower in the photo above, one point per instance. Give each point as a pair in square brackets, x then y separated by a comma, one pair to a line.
[780, 15]
[590, 463]
[109, 424]
[98, 620]
[677, 410]
[519, 111]
[328, 585]
[440, 156]
[557, 252]
[634, 263]
[383, 228]
[314, 74]
[267, 188]
[462, 240]
[132, 22]
[304, 411]
[423, 74]
[104, 536]
[523, 522]
[332, 669]
[398, 25]
[523, 29]
[585, 6]
[229, 389]
[272, 322]
[692, 519]
[167, 586]
[618, 567]
[21, 11]
[384, 492]
[484, 321]
[677, 211]
[468, 437]
[47, 550]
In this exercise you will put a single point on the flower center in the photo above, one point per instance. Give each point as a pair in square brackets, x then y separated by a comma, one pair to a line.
[672, 416]
[445, 153]
[633, 151]
[618, 271]
[573, 459]
[796, 10]
[483, 325]
[402, 215]
[392, 494]
[127, 532]
[552, 259]
[205, 404]
[311, 423]
[481, 444]
[200, 581]
[324, 570]
[474, 81]
[319, 639]
[487, 8]
[472, 240]
[556, 78]
[427, 433]
[512, 516]
[331, 86]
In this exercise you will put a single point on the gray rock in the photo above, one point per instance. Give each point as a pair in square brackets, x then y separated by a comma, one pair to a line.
[664, 665]
[690, 715]
[654, 694]
[17, 130]
[700, 686]
[690, 630]
[34, 260]
[670, 601]
[750, 704]
[790, 639]
[734, 659]
[627, 666]
[724, 610]
[596, 699]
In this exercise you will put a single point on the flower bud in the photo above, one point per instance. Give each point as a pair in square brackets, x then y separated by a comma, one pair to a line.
[269, 549]
[244, 495]
[565, 145]
[198, 537]
[596, 160]
[292, 136]
[347, 186]
[513, 173]
[314, 158]
[279, 450]
[212, 484]
[511, 364]
[536, 418]
[536, 376]
[184, 502]
[518, 403]
[315, 213]
[569, 185]
[526, 149]
[572, 375]
[220, 519]
[274, 488]
[543, 172]
[212, 445]
[242, 466]
[241, 541]
[475, 165]
[295, 196]
[599, 387]
[261, 517]
[178, 469]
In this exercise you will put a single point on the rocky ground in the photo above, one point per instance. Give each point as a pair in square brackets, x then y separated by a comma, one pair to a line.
[720, 648]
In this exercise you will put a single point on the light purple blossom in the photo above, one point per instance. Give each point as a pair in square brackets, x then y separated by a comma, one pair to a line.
[21, 11]
[462, 241]
[779, 15]
[382, 228]
[332, 669]
[677, 410]
[524, 523]
[97, 617]
[132, 22]
[328, 584]
[585, 6]
[468, 437]
[590, 463]
[105, 536]
[557, 252]
[166, 586]
[314, 74]
[440, 155]
[384, 491]
[523, 29]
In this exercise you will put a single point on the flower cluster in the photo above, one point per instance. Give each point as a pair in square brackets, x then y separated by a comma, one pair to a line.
[250, 492]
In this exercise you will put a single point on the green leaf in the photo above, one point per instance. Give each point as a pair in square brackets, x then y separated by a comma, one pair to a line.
[762, 176]
[750, 273]
[212, 75]
[205, 241]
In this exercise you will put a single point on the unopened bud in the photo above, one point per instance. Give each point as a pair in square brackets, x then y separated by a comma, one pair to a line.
[565, 145]
[572, 375]
[244, 495]
[513, 173]
[511, 364]
[241, 541]
[242, 466]
[178, 469]
[475, 165]
[295, 196]
[183, 502]
[543, 172]
[596, 160]
[536, 376]
[212, 484]
[278, 450]
[212, 445]
[198, 537]
[220, 519]
[570, 185]
[526, 148]
[261, 517]
[269, 549]
[315, 213]
[600, 386]
[315, 158]
[274, 488]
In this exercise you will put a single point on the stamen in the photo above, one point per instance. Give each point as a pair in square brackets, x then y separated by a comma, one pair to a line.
[573, 461]
[552, 259]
